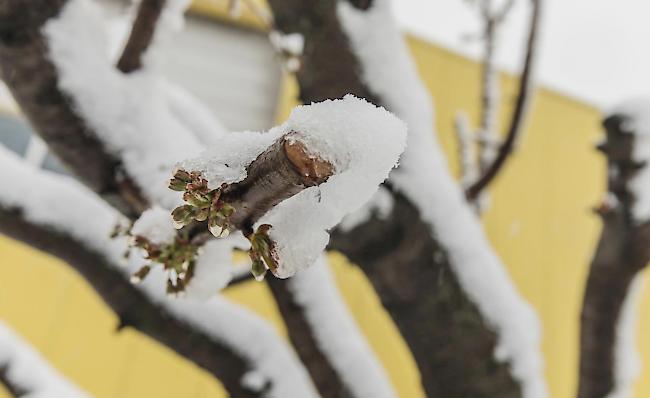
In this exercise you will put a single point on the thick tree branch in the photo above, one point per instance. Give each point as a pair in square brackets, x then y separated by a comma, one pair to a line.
[132, 307]
[441, 327]
[623, 250]
[142, 33]
[519, 113]
[33, 81]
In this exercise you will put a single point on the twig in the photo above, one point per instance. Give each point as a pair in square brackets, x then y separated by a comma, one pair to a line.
[520, 109]
[141, 36]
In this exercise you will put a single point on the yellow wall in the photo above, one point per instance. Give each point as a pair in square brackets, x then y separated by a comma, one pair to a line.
[539, 222]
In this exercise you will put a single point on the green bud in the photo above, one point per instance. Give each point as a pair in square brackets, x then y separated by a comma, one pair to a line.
[258, 270]
[183, 215]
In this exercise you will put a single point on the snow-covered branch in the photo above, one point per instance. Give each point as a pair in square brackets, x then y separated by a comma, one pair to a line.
[423, 178]
[608, 363]
[24, 372]
[33, 81]
[64, 219]
[337, 333]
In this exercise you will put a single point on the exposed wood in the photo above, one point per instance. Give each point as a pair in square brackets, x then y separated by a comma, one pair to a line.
[142, 33]
[623, 250]
[519, 114]
[130, 305]
[452, 346]
[281, 171]
[32, 79]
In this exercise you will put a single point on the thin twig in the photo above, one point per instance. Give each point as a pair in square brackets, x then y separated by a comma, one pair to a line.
[141, 35]
[519, 113]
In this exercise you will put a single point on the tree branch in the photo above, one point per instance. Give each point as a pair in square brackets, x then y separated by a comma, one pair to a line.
[521, 105]
[33, 81]
[131, 306]
[142, 33]
[623, 251]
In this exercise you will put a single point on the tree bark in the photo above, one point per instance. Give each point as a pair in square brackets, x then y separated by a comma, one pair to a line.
[130, 305]
[452, 346]
[33, 81]
[623, 250]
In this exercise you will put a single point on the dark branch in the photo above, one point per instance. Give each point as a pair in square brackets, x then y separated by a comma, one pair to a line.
[33, 81]
[130, 305]
[519, 114]
[142, 33]
[623, 250]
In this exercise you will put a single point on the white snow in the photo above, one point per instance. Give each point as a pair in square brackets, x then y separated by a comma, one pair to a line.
[292, 43]
[226, 162]
[380, 206]
[214, 267]
[627, 362]
[63, 204]
[156, 225]
[28, 370]
[337, 334]
[423, 176]
[132, 114]
[638, 123]
[361, 141]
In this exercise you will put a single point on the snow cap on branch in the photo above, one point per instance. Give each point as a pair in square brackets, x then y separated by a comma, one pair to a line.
[358, 140]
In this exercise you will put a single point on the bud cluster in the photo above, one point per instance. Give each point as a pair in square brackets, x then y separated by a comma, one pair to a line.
[201, 203]
[262, 252]
[178, 259]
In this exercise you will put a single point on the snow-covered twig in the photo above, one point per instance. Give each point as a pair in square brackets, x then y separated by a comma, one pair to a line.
[521, 106]
[26, 373]
[75, 226]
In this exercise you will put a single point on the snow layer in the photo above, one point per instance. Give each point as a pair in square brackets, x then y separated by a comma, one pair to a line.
[28, 370]
[156, 225]
[130, 113]
[423, 176]
[627, 362]
[214, 267]
[61, 203]
[638, 123]
[337, 334]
